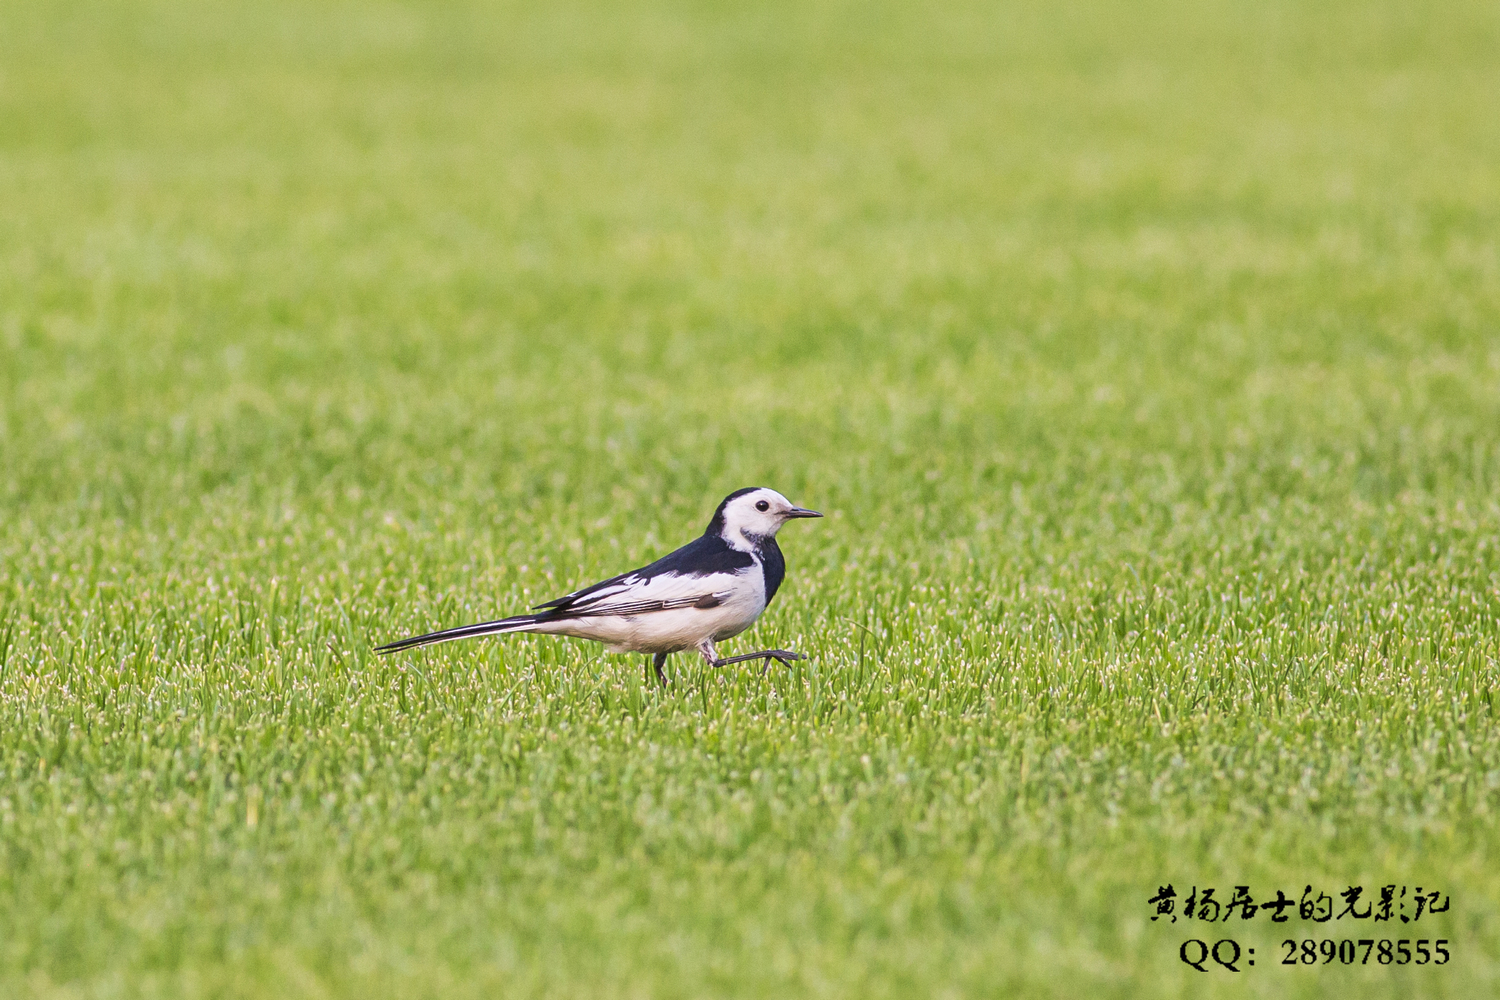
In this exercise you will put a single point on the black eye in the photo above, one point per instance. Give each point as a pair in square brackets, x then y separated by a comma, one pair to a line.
[762, 505]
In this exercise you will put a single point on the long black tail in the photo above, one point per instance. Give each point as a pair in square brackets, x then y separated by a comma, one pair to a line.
[516, 623]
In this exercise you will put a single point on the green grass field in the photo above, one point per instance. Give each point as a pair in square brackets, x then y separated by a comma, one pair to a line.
[1146, 358]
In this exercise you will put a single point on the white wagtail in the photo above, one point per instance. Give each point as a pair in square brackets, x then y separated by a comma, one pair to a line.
[712, 588]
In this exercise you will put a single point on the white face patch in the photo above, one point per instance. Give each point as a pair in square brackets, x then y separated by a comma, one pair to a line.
[745, 519]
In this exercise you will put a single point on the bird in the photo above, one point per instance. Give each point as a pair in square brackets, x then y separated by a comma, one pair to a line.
[711, 589]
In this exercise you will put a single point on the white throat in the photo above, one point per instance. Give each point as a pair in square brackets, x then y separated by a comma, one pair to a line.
[736, 539]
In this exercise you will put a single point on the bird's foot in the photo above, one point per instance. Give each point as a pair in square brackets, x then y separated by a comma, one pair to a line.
[779, 655]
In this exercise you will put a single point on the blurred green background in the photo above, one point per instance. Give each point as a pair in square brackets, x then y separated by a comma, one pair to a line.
[1146, 358]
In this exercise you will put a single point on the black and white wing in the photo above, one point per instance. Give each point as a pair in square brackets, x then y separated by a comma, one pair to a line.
[701, 574]
[636, 594]
[706, 556]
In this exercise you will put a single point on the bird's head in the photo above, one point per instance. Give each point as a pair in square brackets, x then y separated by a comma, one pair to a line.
[750, 514]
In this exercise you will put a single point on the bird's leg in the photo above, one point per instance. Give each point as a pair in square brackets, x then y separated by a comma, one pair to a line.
[657, 662]
[708, 652]
[779, 655]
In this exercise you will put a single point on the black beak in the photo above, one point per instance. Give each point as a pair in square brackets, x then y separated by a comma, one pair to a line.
[802, 512]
